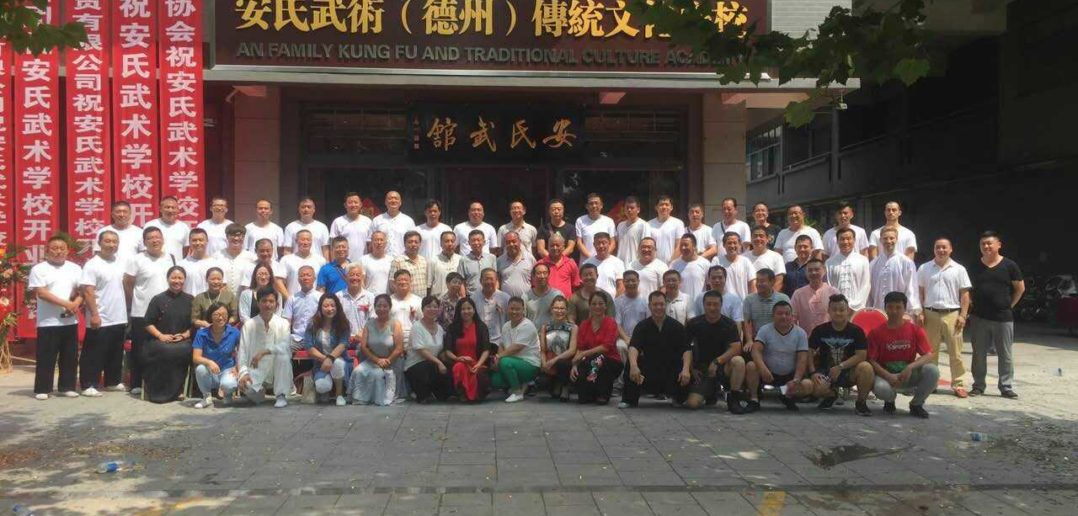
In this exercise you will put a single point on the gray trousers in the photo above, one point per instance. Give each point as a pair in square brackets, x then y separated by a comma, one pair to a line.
[922, 382]
[985, 334]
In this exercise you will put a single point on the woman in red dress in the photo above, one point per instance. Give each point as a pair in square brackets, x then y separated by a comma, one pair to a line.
[597, 362]
[467, 347]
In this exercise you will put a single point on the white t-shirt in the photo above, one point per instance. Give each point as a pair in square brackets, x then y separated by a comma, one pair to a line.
[270, 231]
[394, 228]
[586, 228]
[767, 260]
[107, 278]
[130, 241]
[830, 240]
[526, 334]
[851, 276]
[196, 273]
[666, 235]
[175, 236]
[319, 234]
[784, 243]
[629, 311]
[906, 239]
[732, 306]
[651, 275]
[739, 227]
[693, 274]
[704, 238]
[292, 263]
[629, 237]
[377, 272]
[358, 233]
[151, 278]
[527, 234]
[738, 274]
[490, 236]
[678, 308]
[216, 238]
[275, 267]
[610, 271]
[406, 311]
[431, 243]
[234, 268]
[61, 281]
[422, 339]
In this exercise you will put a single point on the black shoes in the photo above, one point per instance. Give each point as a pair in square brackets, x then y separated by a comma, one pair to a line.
[1009, 394]
[976, 391]
[752, 406]
[861, 409]
[790, 403]
[826, 403]
[733, 402]
[889, 407]
[918, 411]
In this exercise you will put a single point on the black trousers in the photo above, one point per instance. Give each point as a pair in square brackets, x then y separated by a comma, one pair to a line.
[659, 378]
[602, 385]
[53, 342]
[426, 381]
[134, 357]
[102, 350]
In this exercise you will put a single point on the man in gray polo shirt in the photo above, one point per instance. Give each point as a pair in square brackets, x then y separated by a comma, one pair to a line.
[757, 306]
[515, 267]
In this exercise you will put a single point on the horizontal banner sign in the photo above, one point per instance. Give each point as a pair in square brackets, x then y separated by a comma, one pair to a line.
[488, 134]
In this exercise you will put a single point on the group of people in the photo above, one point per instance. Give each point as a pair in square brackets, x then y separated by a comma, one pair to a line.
[386, 309]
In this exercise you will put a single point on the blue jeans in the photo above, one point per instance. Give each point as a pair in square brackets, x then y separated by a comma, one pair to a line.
[207, 381]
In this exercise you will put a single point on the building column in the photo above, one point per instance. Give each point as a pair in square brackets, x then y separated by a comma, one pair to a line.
[724, 155]
[257, 143]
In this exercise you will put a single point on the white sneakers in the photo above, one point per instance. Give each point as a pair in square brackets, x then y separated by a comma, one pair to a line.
[70, 394]
[206, 403]
[341, 401]
[515, 397]
[281, 401]
[116, 388]
[135, 391]
[41, 396]
[91, 392]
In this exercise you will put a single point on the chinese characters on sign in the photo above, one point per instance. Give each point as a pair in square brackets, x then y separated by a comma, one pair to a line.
[135, 105]
[182, 157]
[7, 191]
[88, 155]
[491, 134]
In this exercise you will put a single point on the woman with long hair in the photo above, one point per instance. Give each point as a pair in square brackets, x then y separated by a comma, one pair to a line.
[468, 348]
[326, 342]
[382, 344]
[261, 277]
[557, 340]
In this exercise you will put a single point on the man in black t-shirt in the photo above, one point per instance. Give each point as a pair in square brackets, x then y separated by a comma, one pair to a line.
[716, 357]
[660, 361]
[556, 224]
[997, 287]
[840, 350]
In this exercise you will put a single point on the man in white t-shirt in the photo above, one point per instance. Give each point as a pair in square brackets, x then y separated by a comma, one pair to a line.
[174, 230]
[443, 263]
[629, 309]
[732, 305]
[729, 222]
[666, 229]
[784, 243]
[197, 262]
[233, 260]
[764, 258]
[907, 240]
[393, 224]
[431, 231]
[353, 225]
[849, 271]
[475, 222]
[130, 234]
[145, 276]
[215, 226]
[525, 231]
[54, 283]
[649, 268]
[303, 255]
[740, 273]
[376, 264]
[319, 231]
[677, 302]
[706, 245]
[609, 267]
[592, 223]
[892, 271]
[844, 219]
[631, 231]
[691, 266]
[263, 227]
[102, 285]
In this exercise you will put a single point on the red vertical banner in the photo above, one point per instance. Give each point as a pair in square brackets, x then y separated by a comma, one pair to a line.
[7, 175]
[36, 153]
[182, 147]
[89, 178]
[134, 102]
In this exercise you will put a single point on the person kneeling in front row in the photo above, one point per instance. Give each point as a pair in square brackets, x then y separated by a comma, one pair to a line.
[902, 358]
[326, 342]
[214, 355]
[265, 358]
[717, 360]
[840, 352]
[780, 354]
[660, 361]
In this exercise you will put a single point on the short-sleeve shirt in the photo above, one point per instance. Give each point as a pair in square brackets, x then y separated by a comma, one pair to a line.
[130, 241]
[704, 237]
[566, 231]
[523, 333]
[490, 236]
[666, 234]
[430, 244]
[906, 239]
[358, 233]
[319, 234]
[564, 275]
[537, 307]
[271, 232]
[587, 337]
[660, 345]
[758, 309]
[515, 276]
[151, 278]
[992, 289]
[610, 271]
[217, 240]
[833, 346]
[394, 228]
[732, 306]
[332, 277]
[471, 267]
[768, 260]
[299, 309]
[493, 312]
[693, 275]
[629, 311]
[235, 267]
[357, 309]
[709, 340]
[195, 269]
[580, 305]
[222, 353]
[810, 306]
[650, 274]
[943, 286]
[739, 227]
[107, 278]
[780, 351]
[860, 240]
[629, 236]
[292, 263]
[175, 234]
[587, 228]
[527, 234]
[895, 348]
[376, 271]
[784, 243]
[61, 281]
[421, 338]
[796, 277]
[738, 274]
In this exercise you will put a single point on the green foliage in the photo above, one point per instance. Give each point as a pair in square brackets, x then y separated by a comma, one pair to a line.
[874, 46]
[22, 26]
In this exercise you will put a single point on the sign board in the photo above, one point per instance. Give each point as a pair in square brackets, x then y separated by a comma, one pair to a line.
[490, 134]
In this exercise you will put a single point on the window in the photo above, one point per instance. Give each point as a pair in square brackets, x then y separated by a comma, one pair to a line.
[763, 154]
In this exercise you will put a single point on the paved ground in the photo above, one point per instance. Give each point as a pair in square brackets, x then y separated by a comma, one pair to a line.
[545, 457]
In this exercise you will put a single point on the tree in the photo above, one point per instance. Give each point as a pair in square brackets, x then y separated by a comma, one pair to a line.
[872, 45]
[21, 25]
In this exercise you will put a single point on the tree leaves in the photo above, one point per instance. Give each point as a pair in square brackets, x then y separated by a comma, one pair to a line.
[22, 27]
[910, 70]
